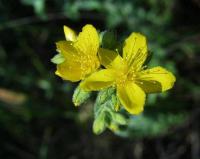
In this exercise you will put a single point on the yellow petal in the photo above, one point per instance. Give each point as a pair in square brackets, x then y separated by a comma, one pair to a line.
[135, 51]
[69, 70]
[155, 80]
[111, 59]
[67, 50]
[88, 41]
[70, 34]
[132, 97]
[99, 80]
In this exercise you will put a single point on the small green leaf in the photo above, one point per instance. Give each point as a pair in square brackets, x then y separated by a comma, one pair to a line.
[119, 119]
[80, 96]
[58, 59]
[104, 95]
[105, 104]
[115, 102]
[99, 124]
[113, 126]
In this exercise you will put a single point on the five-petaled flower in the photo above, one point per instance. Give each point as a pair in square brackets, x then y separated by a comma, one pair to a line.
[79, 52]
[127, 74]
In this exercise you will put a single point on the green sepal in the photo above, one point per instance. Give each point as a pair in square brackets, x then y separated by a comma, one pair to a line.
[108, 39]
[149, 57]
[80, 96]
[58, 59]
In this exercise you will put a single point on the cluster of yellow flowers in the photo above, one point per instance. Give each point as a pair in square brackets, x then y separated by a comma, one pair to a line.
[83, 57]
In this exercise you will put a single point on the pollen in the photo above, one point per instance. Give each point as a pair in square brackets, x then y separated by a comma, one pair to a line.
[87, 64]
[122, 78]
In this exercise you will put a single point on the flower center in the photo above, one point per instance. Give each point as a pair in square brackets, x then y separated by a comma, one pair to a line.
[131, 76]
[124, 77]
[88, 64]
[121, 79]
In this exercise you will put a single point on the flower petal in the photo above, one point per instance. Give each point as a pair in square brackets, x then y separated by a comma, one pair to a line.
[155, 80]
[69, 70]
[88, 41]
[111, 59]
[132, 97]
[99, 80]
[67, 50]
[135, 51]
[70, 34]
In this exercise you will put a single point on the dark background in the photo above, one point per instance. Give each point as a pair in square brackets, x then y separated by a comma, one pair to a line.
[37, 117]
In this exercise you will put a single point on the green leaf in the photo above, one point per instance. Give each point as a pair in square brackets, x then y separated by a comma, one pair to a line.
[119, 119]
[99, 124]
[104, 95]
[115, 102]
[80, 96]
[105, 104]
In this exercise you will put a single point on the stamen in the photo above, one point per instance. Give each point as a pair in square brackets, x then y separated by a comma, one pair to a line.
[138, 60]
[131, 57]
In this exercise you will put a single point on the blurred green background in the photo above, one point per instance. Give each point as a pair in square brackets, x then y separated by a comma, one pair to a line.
[37, 117]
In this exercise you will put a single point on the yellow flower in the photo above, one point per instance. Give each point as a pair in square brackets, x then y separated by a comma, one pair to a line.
[79, 52]
[127, 73]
